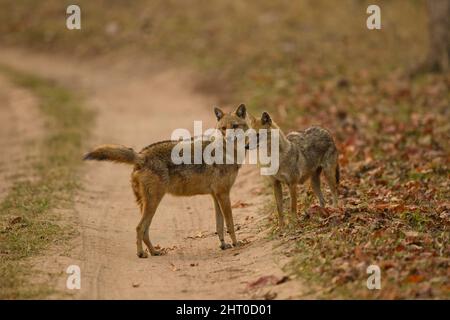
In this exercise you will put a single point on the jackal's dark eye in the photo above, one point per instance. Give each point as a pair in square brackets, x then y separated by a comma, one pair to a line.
[224, 128]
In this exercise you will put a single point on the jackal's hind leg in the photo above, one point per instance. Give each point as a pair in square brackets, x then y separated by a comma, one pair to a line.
[150, 201]
[315, 184]
[330, 175]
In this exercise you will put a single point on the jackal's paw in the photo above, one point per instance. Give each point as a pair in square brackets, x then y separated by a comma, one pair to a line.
[157, 253]
[225, 246]
[142, 254]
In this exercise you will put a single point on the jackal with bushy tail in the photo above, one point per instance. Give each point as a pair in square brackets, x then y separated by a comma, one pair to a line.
[155, 174]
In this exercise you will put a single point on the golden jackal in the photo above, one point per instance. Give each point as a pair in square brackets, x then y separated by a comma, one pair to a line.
[155, 174]
[302, 155]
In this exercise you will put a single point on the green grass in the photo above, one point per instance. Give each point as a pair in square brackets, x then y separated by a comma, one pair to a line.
[28, 221]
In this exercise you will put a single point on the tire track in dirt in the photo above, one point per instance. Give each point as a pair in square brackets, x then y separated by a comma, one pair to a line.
[137, 104]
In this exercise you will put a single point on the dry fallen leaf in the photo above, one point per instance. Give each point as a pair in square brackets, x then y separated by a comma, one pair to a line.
[257, 191]
[269, 295]
[198, 235]
[414, 278]
[359, 254]
[282, 280]
[164, 251]
[266, 280]
[411, 234]
[240, 204]
[15, 220]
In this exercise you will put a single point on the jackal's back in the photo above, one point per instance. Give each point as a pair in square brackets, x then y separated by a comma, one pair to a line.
[185, 179]
[316, 144]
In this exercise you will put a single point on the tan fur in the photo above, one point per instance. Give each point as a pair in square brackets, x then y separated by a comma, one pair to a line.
[112, 152]
[303, 155]
[155, 174]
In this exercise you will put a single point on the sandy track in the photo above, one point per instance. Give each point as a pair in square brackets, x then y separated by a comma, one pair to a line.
[20, 129]
[136, 105]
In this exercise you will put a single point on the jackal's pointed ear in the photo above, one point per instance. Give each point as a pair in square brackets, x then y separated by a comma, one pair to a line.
[241, 111]
[219, 113]
[265, 118]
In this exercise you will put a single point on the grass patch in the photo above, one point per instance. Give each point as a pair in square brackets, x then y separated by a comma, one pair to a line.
[28, 223]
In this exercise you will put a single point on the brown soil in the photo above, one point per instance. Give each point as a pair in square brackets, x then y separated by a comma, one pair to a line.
[20, 129]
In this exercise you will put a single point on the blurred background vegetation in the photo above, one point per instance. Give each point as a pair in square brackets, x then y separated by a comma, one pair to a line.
[263, 40]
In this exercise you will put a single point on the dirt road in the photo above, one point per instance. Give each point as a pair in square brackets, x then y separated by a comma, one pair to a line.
[20, 128]
[137, 104]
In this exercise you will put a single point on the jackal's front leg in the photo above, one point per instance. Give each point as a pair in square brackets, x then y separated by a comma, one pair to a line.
[278, 193]
[225, 206]
[219, 225]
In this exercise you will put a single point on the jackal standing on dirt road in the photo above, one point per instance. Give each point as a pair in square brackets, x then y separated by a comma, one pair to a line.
[302, 155]
[155, 174]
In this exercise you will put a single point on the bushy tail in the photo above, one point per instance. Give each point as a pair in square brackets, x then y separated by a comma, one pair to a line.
[111, 152]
